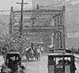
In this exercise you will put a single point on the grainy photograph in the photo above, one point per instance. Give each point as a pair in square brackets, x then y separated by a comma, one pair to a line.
[39, 36]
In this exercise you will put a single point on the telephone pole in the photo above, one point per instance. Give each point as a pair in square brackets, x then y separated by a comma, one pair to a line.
[21, 19]
[21, 25]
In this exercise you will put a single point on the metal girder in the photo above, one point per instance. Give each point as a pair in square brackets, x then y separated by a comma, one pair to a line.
[40, 29]
[39, 12]
[34, 30]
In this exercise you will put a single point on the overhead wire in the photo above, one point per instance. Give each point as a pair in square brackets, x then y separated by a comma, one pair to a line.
[71, 28]
[1, 22]
[41, 6]
[51, 5]
[61, 3]
[4, 10]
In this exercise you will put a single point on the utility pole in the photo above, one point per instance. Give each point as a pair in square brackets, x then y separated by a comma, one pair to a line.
[21, 25]
[21, 20]
[11, 21]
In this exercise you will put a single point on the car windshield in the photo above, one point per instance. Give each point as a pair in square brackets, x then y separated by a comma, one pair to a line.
[59, 60]
[13, 57]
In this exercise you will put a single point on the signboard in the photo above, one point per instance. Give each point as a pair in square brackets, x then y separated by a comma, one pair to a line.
[51, 66]
[51, 69]
[59, 66]
[59, 69]
[59, 51]
[67, 69]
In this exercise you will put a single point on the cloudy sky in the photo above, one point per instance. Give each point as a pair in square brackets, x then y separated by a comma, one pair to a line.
[6, 4]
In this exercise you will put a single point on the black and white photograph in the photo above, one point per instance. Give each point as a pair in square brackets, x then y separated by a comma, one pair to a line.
[39, 36]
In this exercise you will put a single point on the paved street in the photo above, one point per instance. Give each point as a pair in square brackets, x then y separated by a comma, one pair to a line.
[38, 66]
[41, 66]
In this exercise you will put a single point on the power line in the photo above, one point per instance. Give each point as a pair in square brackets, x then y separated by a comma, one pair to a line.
[51, 5]
[72, 28]
[4, 10]
[2, 22]
[62, 3]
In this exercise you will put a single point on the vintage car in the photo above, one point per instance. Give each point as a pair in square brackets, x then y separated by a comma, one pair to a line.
[12, 63]
[61, 61]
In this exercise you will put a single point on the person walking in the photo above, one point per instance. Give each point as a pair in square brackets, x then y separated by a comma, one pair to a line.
[42, 50]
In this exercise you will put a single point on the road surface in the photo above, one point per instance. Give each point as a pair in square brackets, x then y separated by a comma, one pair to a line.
[41, 66]
[37, 66]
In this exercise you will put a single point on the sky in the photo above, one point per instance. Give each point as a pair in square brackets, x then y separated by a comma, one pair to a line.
[6, 4]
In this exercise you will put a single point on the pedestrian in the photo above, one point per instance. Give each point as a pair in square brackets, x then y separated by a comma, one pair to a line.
[19, 69]
[42, 50]
[6, 69]
[38, 53]
[2, 60]
[74, 66]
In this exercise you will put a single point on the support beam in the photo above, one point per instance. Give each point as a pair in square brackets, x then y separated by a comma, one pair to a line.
[48, 29]
[11, 21]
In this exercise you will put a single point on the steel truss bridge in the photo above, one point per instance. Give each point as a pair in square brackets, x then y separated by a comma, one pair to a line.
[41, 20]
